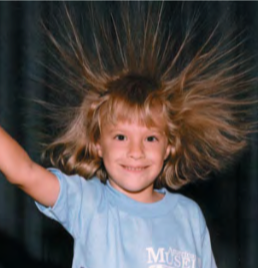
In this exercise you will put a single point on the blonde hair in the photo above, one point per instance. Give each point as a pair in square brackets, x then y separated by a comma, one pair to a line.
[134, 69]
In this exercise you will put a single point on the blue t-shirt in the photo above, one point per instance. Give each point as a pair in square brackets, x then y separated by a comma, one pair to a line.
[111, 230]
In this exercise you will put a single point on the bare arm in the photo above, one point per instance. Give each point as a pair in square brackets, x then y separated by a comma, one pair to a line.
[20, 170]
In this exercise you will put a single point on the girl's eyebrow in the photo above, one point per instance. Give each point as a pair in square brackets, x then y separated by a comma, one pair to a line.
[157, 130]
[116, 129]
[157, 133]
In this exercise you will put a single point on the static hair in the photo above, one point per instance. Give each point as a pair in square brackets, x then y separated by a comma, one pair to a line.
[131, 65]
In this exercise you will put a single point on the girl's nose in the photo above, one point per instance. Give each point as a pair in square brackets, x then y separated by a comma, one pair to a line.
[136, 150]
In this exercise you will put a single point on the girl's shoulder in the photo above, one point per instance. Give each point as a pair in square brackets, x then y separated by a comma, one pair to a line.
[77, 187]
[184, 204]
[75, 178]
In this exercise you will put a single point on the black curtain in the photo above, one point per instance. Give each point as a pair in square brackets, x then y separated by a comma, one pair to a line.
[229, 200]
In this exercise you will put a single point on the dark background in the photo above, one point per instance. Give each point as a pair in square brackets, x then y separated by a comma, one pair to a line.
[27, 239]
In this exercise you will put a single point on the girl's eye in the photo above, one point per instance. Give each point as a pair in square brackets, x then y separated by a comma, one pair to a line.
[151, 139]
[120, 137]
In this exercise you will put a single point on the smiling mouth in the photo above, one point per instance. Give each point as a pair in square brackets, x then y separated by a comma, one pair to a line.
[134, 169]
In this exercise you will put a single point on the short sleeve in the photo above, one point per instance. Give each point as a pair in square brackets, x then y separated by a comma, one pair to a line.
[208, 260]
[77, 201]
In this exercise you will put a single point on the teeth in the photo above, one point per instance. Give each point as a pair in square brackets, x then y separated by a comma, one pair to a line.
[134, 168]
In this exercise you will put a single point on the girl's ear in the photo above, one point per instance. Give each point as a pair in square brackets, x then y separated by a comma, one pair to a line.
[99, 149]
[170, 149]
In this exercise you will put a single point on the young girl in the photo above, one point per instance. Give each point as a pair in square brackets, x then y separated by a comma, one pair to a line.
[148, 120]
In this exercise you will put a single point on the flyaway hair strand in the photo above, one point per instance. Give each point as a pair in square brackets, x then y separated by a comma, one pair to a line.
[203, 82]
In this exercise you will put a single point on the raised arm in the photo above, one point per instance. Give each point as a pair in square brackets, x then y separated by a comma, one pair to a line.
[20, 170]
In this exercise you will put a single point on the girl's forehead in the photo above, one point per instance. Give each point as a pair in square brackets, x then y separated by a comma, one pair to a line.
[157, 123]
[149, 115]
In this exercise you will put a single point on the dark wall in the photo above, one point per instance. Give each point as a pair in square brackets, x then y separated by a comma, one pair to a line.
[27, 239]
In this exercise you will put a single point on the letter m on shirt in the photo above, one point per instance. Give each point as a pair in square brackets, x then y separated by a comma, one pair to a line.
[157, 257]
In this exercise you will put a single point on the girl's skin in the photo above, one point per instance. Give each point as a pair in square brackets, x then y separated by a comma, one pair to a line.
[133, 155]
[20, 170]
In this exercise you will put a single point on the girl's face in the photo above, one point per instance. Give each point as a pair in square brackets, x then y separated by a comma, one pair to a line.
[133, 156]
